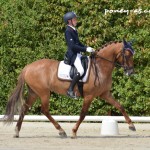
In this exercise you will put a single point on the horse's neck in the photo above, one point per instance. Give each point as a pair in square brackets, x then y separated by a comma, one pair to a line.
[104, 64]
[109, 52]
[106, 61]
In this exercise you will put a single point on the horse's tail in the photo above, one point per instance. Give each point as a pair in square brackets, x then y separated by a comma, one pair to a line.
[15, 101]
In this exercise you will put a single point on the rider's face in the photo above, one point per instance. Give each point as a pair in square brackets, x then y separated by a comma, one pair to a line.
[73, 22]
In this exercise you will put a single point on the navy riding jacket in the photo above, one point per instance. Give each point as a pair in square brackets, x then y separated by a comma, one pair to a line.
[73, 43]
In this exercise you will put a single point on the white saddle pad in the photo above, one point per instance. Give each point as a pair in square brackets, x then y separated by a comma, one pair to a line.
[64, 71]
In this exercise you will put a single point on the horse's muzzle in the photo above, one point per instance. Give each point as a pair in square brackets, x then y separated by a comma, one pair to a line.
[129, 71]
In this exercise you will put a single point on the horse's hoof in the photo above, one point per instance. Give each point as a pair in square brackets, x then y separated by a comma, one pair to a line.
[16, 136]
[73, 137]
[132, 128]
[63, 134]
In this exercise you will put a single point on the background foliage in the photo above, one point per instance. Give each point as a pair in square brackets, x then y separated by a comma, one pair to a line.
[34, 29]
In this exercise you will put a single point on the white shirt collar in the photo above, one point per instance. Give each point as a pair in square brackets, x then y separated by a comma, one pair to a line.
[72, 27]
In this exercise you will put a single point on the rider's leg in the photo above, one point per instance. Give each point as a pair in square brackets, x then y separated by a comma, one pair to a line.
[78, 64]
[76, 78]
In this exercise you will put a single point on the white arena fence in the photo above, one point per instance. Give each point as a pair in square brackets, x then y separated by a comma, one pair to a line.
[75, 118]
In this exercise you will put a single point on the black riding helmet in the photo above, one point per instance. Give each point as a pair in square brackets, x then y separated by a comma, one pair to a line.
[69, 16]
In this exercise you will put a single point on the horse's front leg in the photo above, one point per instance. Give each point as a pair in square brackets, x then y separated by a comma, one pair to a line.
[86, 104]
[109, 98]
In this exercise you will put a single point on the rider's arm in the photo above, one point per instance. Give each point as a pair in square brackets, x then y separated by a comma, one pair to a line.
[78, 47]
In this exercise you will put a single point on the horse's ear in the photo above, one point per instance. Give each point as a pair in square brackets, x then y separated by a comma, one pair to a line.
[124, 41]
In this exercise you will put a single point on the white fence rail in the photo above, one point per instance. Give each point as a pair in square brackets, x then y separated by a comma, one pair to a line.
[75, 118]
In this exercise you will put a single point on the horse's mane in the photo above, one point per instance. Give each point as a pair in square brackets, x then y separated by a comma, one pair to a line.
[109, 43]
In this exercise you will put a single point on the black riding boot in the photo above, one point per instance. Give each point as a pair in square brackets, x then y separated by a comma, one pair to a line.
[72, 85]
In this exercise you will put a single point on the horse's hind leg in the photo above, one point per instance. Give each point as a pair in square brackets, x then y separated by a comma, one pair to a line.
[29, 102]
[109, 98]
[45, 111]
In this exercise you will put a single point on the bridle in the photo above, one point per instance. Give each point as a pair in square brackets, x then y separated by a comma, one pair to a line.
[125, 59]
[120, 54]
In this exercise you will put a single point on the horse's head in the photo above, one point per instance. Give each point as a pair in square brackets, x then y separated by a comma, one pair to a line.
[117, 53]
[125, 58]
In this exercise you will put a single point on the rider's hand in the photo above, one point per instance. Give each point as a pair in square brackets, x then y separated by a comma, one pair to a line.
[90, 49]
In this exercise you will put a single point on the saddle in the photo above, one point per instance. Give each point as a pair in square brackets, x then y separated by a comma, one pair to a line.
[67, 72]
[84, 62]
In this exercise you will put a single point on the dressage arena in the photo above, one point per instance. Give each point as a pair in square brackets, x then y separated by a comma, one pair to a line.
[43, 136]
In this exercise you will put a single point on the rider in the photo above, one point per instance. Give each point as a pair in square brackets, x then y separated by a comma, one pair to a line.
[75, 47]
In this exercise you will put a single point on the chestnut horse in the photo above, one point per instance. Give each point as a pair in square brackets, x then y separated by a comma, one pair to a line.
[41, 79]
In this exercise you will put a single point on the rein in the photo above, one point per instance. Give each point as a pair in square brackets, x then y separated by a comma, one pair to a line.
[121, 53]
[113, 62]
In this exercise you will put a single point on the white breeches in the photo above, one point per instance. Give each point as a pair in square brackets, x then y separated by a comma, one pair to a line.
[78, 64]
